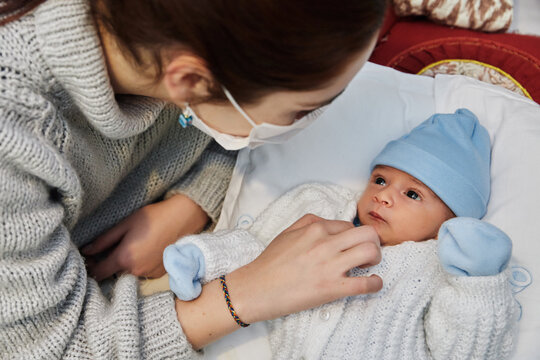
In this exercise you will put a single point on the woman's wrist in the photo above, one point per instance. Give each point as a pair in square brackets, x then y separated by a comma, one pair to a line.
[205, 319]
[243, 295]
[190, 213]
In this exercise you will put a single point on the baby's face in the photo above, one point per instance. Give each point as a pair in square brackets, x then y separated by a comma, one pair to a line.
[400, 207]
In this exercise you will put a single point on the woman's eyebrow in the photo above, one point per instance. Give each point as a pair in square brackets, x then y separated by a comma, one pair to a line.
[322, 103]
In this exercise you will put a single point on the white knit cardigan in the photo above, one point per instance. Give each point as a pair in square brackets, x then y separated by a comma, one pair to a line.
[422, 312]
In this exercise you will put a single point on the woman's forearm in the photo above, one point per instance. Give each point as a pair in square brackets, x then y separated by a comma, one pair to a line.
[207, 318]
[303, 267]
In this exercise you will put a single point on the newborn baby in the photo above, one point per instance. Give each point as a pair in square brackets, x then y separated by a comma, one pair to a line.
[445, 294]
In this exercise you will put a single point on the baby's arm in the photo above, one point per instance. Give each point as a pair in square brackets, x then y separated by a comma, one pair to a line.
[201, 258]
[473, 314]
[197, 259]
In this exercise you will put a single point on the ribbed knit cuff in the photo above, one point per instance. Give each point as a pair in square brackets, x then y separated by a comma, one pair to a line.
[224, 251]
[207, 182]
[485, 290]
[228, 250]
[161, 334]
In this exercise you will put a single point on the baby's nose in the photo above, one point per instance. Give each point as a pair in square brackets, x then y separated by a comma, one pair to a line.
[383, 198]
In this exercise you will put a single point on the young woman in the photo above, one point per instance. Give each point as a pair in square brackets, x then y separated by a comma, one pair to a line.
[92, 157]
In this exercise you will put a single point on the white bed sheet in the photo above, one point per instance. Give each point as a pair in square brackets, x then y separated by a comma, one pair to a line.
[379, 105]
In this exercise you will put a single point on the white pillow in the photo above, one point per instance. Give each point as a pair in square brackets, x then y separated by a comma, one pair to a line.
[381, 104]
[513, 123]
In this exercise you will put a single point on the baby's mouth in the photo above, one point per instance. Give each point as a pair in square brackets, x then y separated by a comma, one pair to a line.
[376, 216]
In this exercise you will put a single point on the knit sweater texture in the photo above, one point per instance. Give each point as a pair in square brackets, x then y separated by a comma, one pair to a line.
[422, 312]
[75, 160]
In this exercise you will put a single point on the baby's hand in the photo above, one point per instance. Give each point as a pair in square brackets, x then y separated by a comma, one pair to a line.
[471, 247]
[185, 265]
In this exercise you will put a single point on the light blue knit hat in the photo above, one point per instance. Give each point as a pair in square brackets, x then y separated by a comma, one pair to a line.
[449, 153]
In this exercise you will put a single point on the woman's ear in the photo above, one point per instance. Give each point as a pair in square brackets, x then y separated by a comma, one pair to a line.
[187, 79]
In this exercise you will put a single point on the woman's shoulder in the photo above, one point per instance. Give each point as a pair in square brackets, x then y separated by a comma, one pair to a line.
[21, 64]
[29, 93]
[26, 83]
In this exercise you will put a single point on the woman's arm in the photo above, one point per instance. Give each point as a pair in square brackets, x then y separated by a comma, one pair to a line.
[48, 307]
[139, 240]
[199, 259]
[305, 266]
[206, 183]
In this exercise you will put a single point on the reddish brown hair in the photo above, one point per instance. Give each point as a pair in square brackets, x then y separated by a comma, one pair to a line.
[13, 9]
[250, 46]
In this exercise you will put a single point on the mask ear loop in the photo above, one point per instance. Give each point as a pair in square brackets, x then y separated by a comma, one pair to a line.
[237, 107]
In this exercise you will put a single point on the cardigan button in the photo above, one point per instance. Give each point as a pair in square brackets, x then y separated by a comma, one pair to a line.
[324, 315]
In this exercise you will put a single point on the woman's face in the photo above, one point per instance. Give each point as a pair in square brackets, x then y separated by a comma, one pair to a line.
[281, 107]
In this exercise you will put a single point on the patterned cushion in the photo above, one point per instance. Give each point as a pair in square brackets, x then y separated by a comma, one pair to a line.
[511, 60]
[477, 70]
[484, 15]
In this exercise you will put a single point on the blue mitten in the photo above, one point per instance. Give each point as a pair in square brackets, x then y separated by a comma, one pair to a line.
[471, 247]
[185, 265]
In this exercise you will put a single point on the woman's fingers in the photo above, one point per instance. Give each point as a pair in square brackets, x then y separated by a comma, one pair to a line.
[105, 268]
[305, 220]
[106, 240]
[354, 236]
[364, 254]
[306, 266]
[319, 226]
[361, 285]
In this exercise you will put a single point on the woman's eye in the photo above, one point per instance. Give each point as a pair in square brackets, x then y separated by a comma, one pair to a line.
[380, 181]
[413, 195]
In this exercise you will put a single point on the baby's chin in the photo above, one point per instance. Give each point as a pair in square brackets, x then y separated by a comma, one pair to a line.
[389, 242]
[386, 238]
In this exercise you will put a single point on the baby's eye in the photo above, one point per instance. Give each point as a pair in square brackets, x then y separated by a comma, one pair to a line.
[413, 195]
[380, 181]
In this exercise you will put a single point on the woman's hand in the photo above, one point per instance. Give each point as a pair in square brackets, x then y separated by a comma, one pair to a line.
[136, 244]
[304, 267]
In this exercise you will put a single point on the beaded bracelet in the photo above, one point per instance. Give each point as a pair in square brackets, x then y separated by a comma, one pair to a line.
[228, 301]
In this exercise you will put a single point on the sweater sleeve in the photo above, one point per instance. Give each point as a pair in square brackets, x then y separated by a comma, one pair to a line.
[472, 318]
[208, 180]
[224, 251]
[49, 308]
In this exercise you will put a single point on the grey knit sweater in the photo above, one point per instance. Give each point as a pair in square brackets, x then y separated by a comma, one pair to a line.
[74, 161]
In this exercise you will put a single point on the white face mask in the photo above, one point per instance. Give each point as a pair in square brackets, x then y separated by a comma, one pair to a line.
[260, 133]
